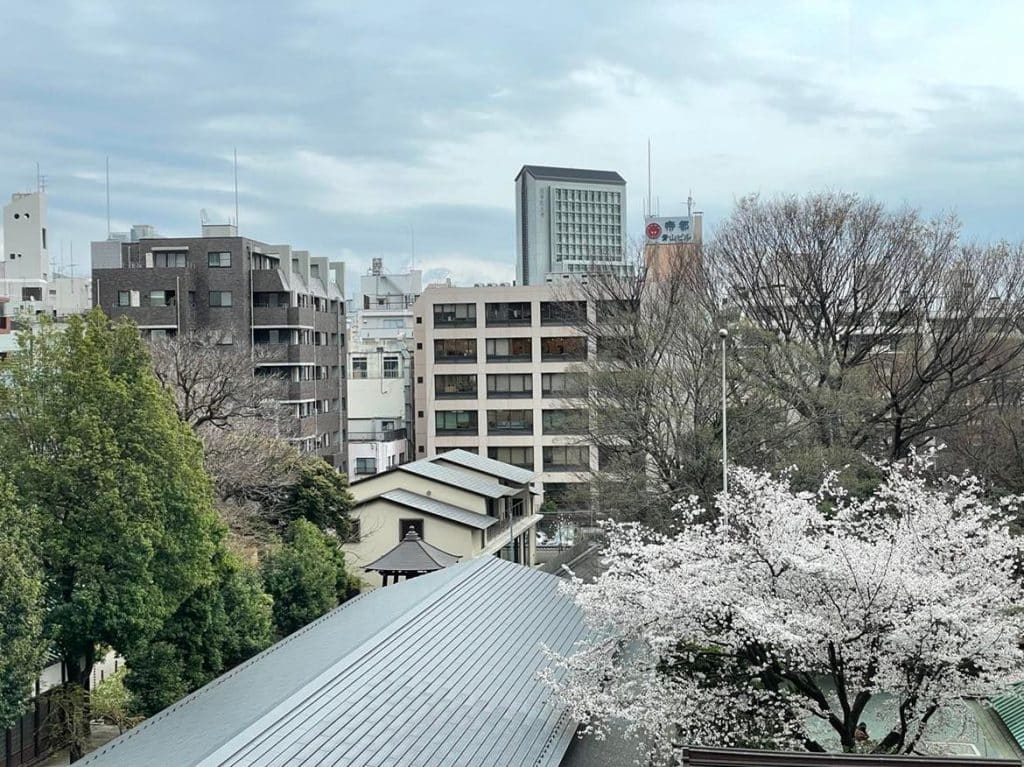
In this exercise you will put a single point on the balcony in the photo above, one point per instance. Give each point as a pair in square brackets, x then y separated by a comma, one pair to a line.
[377, 435]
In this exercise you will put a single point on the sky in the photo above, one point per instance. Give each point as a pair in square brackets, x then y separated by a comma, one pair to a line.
[363, 127]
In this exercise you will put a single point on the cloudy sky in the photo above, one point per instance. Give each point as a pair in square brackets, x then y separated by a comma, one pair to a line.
[357, 123]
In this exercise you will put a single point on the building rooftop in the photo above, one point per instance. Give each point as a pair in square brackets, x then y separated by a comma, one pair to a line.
[413, 555]
[435, 507]
[498, 469]
[451, 475]
[548, 173]
[438, 670]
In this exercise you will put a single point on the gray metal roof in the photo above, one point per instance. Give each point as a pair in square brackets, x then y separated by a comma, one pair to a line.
[440, 670]
[436, 508]
[548, 173]
[413, 555]
[450, 475]
[476, 462]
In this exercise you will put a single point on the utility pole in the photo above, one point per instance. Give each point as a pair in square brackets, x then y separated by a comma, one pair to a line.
[724, 335]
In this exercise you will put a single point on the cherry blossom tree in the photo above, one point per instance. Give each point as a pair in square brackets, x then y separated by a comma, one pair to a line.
[746, 627]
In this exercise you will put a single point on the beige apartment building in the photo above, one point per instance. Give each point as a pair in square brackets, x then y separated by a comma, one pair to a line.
[496, 374]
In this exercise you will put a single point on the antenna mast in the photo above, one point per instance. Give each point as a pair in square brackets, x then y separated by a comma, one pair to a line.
[649, 194]
[108, 197]
[236, 190]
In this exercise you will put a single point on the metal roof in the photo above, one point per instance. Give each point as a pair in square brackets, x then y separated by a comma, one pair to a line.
[548, 173]
[440, 670]
[450, 475]
[436, 508]
[413, 555]
[476, 462]
[1010, 708]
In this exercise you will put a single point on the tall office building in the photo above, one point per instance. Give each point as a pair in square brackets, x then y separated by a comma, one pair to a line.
[284, 302]
[568, 222]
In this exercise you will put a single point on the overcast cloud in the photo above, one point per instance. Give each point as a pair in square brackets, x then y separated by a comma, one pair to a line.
[358, 123]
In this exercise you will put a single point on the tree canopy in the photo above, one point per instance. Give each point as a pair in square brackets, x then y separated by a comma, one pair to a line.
[793, 607]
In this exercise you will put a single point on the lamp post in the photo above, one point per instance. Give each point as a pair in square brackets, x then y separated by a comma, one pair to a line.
[724, 335]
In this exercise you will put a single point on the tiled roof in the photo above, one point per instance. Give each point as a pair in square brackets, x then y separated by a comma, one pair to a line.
[436, 508]
[450, 475]
[413, 555]
[440, 670]
[548, 173]
[476, 462]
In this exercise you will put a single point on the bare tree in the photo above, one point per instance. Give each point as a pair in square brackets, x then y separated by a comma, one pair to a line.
[237, 414]
[876, 329]
[653, 387]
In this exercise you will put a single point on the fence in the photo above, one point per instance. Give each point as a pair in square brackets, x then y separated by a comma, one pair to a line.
[31, 739]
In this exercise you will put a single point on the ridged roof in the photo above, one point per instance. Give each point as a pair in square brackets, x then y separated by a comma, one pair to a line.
[436, 508]
[476, 462]
[440, 670]
[452, 475]
[413, 555]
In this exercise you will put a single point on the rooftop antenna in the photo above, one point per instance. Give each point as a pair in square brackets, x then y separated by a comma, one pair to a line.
[108, 197]
[412, 239]
[689, 204]
[648, 177]
[236, 190]
[203, 217]
[40, 180]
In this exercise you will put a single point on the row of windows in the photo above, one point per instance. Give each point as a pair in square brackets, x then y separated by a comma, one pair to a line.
[588, 195]
[555, 457]
[552, 349]
[553, 422]
[161, 298]
[507, 314]
[508, 385]
[286, 336]
[317, 407]
[391, 368]
[297, 374]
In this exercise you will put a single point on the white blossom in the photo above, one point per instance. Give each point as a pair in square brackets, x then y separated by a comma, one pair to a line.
[788, 606]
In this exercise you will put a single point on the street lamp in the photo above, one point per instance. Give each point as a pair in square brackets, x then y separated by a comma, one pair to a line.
[724, 335]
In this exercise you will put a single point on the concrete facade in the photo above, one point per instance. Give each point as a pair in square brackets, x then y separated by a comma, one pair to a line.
[496, 374]
[568, 222]
[380, 364]
[284, 302]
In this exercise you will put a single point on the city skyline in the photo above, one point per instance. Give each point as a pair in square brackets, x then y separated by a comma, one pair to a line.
[357, 127]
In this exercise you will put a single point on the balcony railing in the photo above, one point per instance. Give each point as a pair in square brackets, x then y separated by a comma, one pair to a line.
[378, 435]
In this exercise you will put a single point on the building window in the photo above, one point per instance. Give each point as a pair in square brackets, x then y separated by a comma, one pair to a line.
[366, 465]
[509, 385]
[455, 350]
[564, 422]
[570, 313]
[455, 386]
[220, 298]
[508, 314]
[509, 349]
[566, 458]
[391, 367]
[517, 456]
[454, 315]
[170, 259]
[405, 525]
[161, 298]
[219, 259]
[359, 369]
[510, 422]
[562, 385]
[456, 422]
[563, 348]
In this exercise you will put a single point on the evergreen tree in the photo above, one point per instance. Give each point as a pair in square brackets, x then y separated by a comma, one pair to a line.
[21, 641]
[320, 495]
[306, 577]
[126, 525]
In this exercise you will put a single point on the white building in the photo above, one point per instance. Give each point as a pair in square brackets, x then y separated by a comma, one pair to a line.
[26, 276]
[495, 376]
[380, 424]
[568, 222]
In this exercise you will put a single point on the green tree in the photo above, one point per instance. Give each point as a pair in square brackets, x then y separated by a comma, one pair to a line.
[127, 528]
[21, 623]
[217, 627]
[320, 495]
[306, 576]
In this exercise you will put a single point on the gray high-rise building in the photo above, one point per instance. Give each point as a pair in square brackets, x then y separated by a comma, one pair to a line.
[568, 222]
[284, 302]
